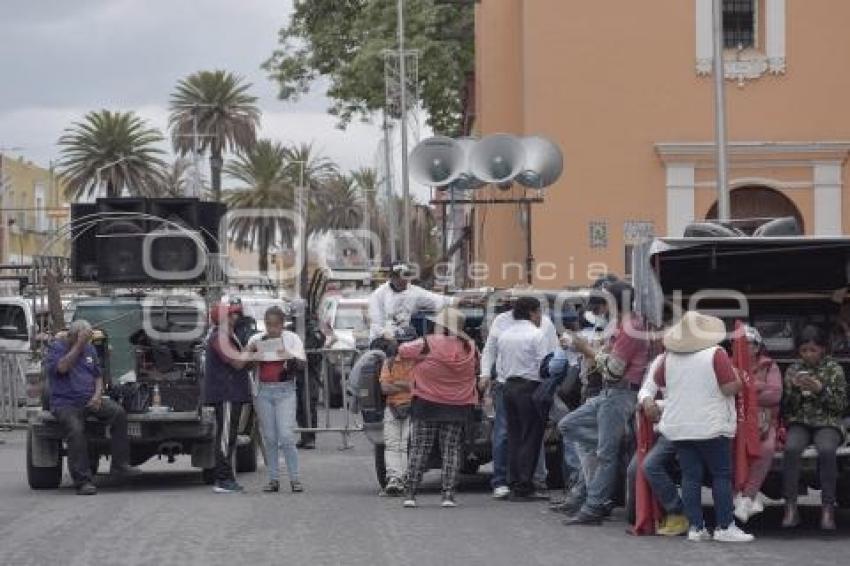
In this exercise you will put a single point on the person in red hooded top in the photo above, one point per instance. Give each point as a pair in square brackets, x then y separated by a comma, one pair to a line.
[768, 380]
[444, 394]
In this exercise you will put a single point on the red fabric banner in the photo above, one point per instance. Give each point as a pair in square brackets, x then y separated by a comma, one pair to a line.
[747, 443]
[647, 509]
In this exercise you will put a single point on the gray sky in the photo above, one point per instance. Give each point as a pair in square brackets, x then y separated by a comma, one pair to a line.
[62, 58]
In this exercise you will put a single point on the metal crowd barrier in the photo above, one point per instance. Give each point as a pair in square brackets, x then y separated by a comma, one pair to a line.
[342, 359]
[13, 388]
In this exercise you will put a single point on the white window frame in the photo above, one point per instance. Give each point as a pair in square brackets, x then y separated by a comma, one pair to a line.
[753, 63]
[40, 205]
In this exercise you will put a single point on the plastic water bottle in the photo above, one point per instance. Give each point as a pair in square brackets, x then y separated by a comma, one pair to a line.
[157, 400]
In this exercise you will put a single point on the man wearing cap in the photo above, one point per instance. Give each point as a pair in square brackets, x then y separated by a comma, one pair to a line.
[227, 386]
[599, 425]
[393, 304]
[76, 393]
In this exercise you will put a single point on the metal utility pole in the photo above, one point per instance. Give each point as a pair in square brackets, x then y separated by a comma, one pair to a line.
[391, 211]
[405, 178]
[723, 206]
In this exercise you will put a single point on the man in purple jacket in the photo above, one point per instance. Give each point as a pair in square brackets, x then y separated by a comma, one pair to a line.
[76, 393]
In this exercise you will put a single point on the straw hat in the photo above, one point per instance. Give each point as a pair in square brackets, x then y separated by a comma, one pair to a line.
[694, 332]
[452, 320]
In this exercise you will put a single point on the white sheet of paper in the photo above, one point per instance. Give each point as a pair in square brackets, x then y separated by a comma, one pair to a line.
[269, 350]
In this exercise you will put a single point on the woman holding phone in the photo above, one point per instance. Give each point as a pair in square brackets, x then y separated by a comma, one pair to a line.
[814, 402]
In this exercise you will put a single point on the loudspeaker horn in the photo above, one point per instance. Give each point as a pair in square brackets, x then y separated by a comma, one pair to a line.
[467, 181]
[498, 159]
[436, 161]
[544, 162]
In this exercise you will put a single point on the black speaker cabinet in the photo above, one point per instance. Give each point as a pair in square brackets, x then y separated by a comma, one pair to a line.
[84, 241]
[121, 232]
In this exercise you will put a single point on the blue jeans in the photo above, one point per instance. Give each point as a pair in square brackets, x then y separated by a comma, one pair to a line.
[500, 438]
[656, 467]
[573, 473]
[598, 428]
[716, 455]
[276, 407]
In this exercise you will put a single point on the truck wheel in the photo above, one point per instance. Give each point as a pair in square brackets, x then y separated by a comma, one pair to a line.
[94, 463]
[842, 492]
[246, 458]
[42, 478]
[208, 476]
[380, 466]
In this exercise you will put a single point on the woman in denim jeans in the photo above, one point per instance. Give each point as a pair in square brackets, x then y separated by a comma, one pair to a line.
[282, 357]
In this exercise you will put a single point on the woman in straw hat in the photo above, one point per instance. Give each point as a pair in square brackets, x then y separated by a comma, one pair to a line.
[699, 418]
[444, 395]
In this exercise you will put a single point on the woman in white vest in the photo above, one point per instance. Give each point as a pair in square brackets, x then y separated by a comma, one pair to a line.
[699, 418]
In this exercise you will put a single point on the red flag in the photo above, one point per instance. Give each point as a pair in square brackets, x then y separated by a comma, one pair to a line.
[647, 509]
[747, 443]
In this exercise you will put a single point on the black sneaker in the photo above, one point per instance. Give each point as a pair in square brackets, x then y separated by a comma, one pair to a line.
[306, 444]
[272, 487]
[86, 488]
[296, 486]
[228, 486]
[395, 487]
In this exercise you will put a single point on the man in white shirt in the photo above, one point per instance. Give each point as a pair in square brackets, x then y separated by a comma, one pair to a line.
[393, 304]
[502, 322]
[520, 349]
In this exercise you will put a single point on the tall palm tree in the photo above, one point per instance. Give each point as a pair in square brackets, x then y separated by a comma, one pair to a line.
[339, 205]
[367, 181]
[179, 179]
[263, 171]
[308, 169]
[116, 147]
[217, 103]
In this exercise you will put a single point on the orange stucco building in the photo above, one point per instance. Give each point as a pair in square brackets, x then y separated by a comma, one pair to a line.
[625, 89]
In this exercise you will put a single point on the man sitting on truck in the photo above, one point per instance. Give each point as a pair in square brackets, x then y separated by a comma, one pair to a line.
[76, 393]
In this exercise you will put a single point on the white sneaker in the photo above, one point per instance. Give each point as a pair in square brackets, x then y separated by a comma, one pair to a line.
[758, 505]
[701, 535]
[501, 492]
[409, 503]
[743, 508]
[732, 534]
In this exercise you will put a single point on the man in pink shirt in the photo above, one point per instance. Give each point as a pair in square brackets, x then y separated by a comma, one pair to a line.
[598, 426]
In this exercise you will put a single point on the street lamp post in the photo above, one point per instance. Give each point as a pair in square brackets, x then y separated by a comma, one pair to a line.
[405, 179]
[723, 206]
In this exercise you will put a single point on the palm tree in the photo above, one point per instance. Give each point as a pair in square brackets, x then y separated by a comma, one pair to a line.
[312, 171]
[367, 181]
[339, 205]
[179, 179]
[263, 170]
[117, 147]
[226, 117]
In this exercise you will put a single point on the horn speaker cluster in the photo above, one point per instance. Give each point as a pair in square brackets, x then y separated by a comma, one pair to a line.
[500, 159]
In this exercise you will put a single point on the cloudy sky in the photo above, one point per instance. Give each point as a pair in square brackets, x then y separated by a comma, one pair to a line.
[62, 58]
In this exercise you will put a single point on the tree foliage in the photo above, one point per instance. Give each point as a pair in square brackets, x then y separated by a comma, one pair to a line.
[115, 148]
[343, 41]
[227, 117]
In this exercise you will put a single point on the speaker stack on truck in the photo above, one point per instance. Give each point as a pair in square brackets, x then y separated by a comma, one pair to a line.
[144, 240]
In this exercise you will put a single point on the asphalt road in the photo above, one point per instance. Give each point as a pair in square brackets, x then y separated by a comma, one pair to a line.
[167, 517]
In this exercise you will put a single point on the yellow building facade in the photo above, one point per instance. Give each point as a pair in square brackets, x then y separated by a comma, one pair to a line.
[625, 89]
[34, 207]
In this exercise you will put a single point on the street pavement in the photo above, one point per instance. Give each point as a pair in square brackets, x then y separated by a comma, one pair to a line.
[167, 517]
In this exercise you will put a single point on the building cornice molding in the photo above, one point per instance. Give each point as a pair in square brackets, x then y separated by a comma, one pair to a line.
[776, 153]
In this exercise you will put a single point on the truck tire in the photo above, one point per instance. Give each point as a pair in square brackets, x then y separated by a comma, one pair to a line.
[246, 458]
[42, 478]
[208, 476]
[380, 466]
